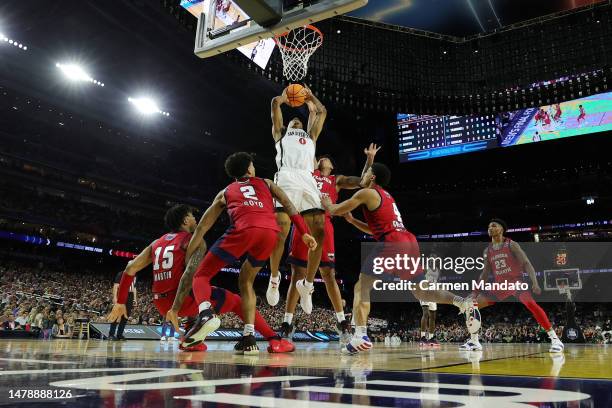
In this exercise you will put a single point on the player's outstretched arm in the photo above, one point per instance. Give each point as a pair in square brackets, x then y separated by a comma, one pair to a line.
[360, 225]
[370, 153]
[277, 115]
[518, 252]
[317, 116]
[120, 292]
[208, 219]
[359, 198]
[353, 182]
[295, 217]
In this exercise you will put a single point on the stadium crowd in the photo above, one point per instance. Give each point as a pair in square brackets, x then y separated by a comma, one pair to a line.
[49, 302]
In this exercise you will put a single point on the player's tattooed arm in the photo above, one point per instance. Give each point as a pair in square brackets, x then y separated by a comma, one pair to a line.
[186, 281]
[518, 252]
[277, 115]
[317, 115]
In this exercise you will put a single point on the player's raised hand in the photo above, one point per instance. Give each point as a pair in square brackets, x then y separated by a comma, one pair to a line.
[307, 92]
[283, 96]
[310, 242]
[117, 313]
[172, 317]
[371, 150]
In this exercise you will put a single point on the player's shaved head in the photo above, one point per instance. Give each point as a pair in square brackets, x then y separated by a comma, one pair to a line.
[237, 164]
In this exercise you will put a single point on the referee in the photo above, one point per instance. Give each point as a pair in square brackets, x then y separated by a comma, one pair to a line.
[131, 302]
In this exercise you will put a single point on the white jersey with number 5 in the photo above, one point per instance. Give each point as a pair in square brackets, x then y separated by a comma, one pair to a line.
[295, 151]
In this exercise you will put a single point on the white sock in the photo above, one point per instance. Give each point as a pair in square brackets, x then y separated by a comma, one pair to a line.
[552, 335]
[458, 301]
[361, 331]
[474, 337]
[204, 306]
[308, 284]
[340, 317]
[249, 329]
[422, 334]
[288, 318]
[430, 336]
[275, 279]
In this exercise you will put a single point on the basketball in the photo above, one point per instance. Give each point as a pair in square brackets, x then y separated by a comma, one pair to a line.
[296, 95]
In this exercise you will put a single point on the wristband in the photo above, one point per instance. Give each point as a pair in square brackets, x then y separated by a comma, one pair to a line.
[124, 288]
[300, 224]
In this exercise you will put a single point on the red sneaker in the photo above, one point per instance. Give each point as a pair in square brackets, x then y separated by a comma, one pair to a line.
[198, 347]
[278, 345]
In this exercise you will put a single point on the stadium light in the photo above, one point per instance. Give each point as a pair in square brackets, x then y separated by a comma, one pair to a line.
[76, 73]
[12, 42]
[147, 106]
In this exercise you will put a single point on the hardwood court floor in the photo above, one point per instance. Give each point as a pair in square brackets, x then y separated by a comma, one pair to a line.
[145, 373]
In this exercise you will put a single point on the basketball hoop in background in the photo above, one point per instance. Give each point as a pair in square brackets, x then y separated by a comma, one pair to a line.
[296, 48]
[563, 286]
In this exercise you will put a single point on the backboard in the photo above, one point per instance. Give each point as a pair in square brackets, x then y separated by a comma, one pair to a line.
[568, 279]
[224, 26]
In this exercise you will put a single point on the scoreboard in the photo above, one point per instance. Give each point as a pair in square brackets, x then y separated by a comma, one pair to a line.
[424, 137]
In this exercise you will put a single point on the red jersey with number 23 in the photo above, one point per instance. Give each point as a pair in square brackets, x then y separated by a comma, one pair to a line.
[504, 265]
[386, 218]
[168, 253]
[249, 204]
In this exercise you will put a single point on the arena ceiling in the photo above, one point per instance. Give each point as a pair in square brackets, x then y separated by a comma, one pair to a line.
[462, 17]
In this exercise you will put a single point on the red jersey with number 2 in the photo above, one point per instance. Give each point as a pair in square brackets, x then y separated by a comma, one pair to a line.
[168, 253]
[386, 218]
[249, 204]
[504, 265]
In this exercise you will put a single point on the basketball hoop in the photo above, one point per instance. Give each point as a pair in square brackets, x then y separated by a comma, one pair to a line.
[296, 48]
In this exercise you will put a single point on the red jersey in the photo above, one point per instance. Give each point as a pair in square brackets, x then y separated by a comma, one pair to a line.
[168, 256]
[327, 186]
[386, 218]
[503, 263]
[249, 204]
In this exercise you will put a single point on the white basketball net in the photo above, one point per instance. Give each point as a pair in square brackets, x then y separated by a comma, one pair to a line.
[296, 47]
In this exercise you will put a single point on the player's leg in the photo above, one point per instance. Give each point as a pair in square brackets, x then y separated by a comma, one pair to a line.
[316, 223]
[297, 273]
[206, 322]
[473, 343]
[328, 274]
[433, 307]
[424, 322]
[233, 304]
[538, 313]
[260, 244]
[361, 310]
[248, 300]
[273, 294]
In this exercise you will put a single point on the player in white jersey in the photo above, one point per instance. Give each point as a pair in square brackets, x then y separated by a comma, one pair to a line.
[295, 159]
[428, 319]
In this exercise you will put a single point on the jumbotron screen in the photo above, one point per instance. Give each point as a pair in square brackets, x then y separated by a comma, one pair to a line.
[425, 137]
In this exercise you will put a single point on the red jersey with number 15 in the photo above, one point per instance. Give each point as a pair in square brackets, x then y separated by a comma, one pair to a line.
[249, 204]
[386, 218]
[168, 253]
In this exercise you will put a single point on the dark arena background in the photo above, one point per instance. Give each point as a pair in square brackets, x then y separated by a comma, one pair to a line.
[493, 117]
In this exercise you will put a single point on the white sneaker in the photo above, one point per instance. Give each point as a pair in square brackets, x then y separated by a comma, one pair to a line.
[305, 296]
[556, 346]
[171, 339]
[163, 339]
[471, 346]
[356, 345]
[472, 315]
[273, 294]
